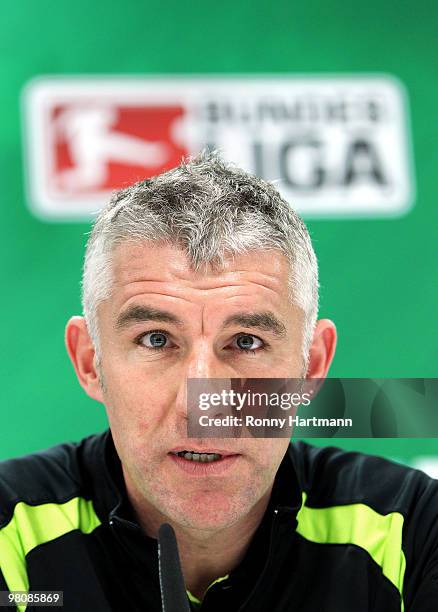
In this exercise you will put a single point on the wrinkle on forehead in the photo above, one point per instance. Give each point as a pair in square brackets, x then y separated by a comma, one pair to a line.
[145, 263]
[161, 277]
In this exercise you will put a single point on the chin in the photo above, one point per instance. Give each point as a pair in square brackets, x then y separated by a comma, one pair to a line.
[205, 515]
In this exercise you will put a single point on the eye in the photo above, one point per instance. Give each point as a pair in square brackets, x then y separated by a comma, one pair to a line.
[248, 342]
[154, 340]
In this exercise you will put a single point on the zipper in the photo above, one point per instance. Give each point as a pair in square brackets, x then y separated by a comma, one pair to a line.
[268, 561]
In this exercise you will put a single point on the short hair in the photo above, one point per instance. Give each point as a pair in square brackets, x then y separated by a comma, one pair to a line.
[211, 209]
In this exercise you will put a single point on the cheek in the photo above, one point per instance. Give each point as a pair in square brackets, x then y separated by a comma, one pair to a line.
[136, 400]
[288, 363]
[269, 452]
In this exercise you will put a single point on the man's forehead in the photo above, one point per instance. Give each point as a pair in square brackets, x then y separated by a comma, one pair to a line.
[148, 260]
[155, 282]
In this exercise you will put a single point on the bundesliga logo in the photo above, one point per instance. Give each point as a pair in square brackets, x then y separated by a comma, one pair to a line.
[99, 147]
[333, 146]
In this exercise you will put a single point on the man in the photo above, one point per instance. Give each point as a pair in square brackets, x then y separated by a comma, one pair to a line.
[206, 272]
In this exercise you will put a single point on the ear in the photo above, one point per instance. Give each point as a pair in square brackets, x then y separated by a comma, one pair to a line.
[322, 349]
[83, 356]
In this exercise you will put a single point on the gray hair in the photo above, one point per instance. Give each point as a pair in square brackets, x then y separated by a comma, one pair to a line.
[211, 209]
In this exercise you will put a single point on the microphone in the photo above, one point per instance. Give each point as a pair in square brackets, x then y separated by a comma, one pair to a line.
[172, 586]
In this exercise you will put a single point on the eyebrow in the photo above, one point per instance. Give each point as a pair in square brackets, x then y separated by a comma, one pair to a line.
[140, 314]
[265, 321]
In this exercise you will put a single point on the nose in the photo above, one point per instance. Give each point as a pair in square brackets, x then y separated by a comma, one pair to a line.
[202, 363]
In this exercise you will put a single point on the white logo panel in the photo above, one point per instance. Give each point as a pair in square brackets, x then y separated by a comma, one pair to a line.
[334, 146]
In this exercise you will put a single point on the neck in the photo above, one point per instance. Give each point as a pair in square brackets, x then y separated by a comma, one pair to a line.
[205, 554]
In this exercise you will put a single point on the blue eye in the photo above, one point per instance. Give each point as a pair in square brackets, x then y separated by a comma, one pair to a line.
[247, 342]
[154, 340]
[159, 340]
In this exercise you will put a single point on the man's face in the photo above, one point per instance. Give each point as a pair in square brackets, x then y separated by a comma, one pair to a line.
[164, 324]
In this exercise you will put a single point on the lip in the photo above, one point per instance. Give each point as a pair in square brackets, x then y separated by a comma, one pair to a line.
[209, 451]
[194, 468]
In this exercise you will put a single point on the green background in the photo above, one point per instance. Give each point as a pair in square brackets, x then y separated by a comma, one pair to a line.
[378, 277]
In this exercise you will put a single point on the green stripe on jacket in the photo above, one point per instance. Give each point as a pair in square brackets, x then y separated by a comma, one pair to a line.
[31, 526]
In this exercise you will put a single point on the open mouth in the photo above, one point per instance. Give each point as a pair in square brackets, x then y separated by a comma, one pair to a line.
[198, 457]
[203, 461]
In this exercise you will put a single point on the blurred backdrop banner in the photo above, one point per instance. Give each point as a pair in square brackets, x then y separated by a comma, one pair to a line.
[335, 104]
[334, 146]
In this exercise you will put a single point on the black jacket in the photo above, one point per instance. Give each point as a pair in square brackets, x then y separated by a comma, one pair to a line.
[343, 532]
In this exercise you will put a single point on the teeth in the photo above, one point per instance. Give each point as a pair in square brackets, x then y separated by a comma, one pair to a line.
[199, 457]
